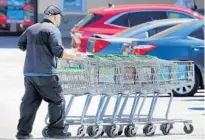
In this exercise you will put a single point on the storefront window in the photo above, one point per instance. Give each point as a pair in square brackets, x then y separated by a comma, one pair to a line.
[73, 5]
[17, 15]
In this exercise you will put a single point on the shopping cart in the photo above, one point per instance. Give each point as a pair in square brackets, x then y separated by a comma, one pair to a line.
[122, 78]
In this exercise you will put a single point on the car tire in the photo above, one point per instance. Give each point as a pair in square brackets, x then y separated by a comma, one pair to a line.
[192, 91]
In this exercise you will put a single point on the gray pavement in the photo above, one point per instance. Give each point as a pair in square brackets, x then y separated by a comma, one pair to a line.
[12, 89]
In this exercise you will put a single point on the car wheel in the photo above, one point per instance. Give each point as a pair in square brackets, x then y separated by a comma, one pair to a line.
[188, 90]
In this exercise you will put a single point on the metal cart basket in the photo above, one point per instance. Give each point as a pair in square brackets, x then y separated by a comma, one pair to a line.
[122, 77]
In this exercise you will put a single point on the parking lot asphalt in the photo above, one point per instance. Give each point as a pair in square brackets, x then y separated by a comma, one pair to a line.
[12, 89]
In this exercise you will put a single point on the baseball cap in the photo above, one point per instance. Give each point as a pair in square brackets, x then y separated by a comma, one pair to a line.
[53, 10]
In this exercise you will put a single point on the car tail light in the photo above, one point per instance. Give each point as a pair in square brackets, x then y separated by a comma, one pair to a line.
[99, 45]
[143, 49]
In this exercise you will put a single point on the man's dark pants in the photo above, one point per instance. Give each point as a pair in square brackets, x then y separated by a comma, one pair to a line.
[36, 89]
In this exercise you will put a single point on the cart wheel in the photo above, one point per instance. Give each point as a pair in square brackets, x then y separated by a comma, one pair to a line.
[149, 130]
[80, 132]
[97, 131]
[120, 131]
[89, 131]
[130, 131]
[126, 131]
[189, 129]
[103, 132]
[94, 131]
[166, 127]
[45, 132]
[110, 130]
[105, 129]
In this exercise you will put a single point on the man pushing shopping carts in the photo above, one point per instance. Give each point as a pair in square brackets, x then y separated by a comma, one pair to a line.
[43, 45]
[112, 76]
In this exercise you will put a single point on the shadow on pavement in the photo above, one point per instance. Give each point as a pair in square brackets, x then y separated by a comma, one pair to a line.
[137, 136]
[197, 108]
[197, 100]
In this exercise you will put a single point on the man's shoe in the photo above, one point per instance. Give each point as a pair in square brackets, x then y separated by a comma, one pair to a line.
[61, 135]
[21, 136]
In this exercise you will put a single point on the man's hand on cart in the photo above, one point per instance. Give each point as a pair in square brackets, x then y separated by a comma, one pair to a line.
[75, 54]
[80, 55]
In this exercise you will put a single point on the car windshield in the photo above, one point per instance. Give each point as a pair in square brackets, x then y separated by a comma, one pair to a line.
[89, 19]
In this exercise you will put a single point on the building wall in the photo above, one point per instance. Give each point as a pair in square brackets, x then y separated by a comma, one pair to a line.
[42, 4]
[99, 3]
[72, 18]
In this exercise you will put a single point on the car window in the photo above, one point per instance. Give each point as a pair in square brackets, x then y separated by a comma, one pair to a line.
[89, 19]
[122, 20]
[158, 29]
[142, 17]
[177, 15]
[199, 33]
[177, 29]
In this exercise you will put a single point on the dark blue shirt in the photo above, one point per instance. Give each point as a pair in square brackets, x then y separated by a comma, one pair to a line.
[43, 45]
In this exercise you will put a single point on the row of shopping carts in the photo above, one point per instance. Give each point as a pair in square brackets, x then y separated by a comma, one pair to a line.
[122, 78]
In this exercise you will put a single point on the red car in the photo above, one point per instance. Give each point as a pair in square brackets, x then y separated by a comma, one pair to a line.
[3, 17]
[113, 19]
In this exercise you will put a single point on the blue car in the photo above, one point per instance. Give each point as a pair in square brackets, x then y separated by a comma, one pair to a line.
[182, 42]
[105, 44]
